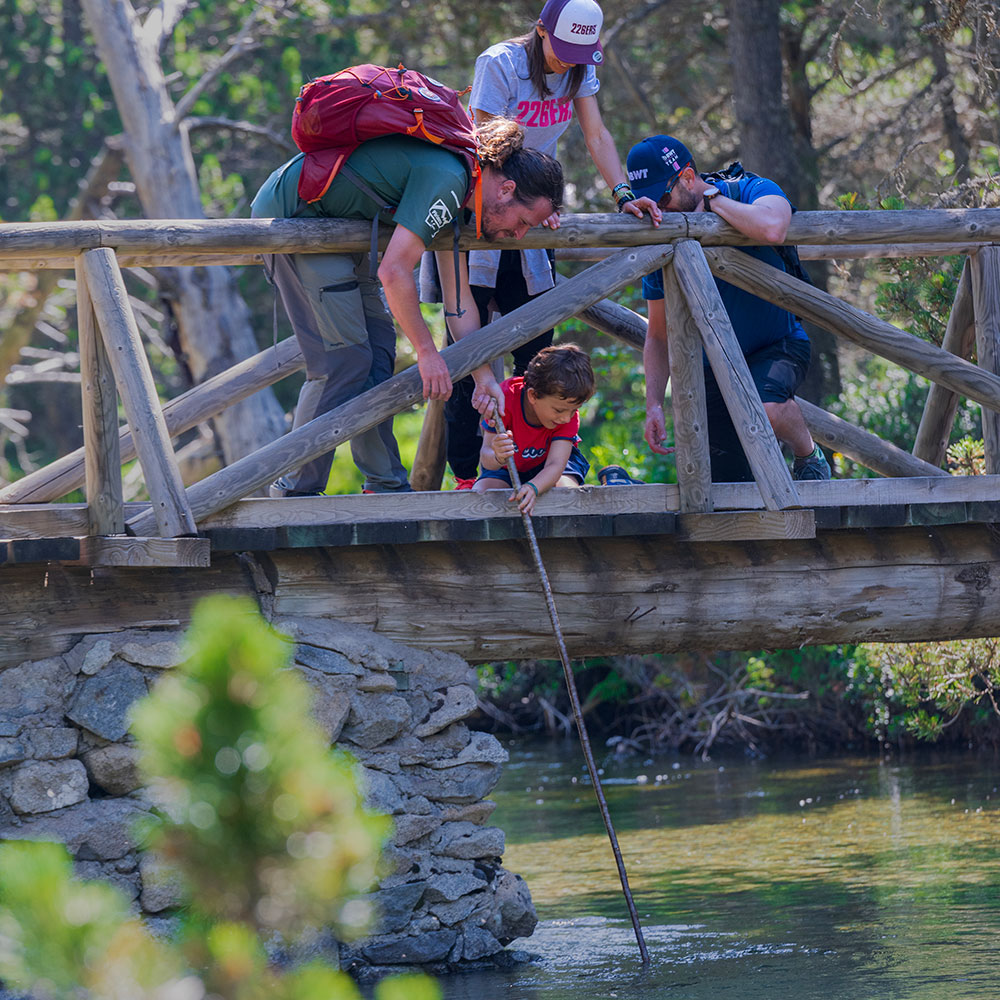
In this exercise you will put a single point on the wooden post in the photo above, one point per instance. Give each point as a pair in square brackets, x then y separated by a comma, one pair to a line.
[868, 449]
[687, 394]
[938, 417]
[171, 511]
[735, 382]
[181, 414]
[856, 325]
[105, 510]
[428, 464]
[985, 270]
[372, 407]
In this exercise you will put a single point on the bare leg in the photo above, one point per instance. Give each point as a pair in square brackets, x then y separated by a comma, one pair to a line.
[790, 427]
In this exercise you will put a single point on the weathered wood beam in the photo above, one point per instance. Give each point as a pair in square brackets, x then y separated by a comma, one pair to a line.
[980, 495]
[242, 236]
[428, 464]
[903, 585]
[733, 377]
[145, 552]
[180, 414]
[183, 259]
[102, 458]
[984, 266]
[171, 512]
[330, 429]
[941, 405]
[854, 324]
[732, 526]
[616, 595]
[862, 446]
[839, 251]
[687, 396]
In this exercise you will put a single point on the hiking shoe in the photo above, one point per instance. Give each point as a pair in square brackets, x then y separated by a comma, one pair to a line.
[813, 466]
[615, 475]
[280, 488]
[464, 484]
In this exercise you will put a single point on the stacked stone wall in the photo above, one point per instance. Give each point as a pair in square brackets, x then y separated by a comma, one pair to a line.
[68, 772]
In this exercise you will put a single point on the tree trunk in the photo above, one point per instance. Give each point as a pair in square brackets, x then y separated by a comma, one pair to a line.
[769, 144]
[943, 80]
[212, 319]
[764, 125]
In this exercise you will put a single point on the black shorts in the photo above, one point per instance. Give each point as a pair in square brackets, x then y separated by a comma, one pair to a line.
[777, 371]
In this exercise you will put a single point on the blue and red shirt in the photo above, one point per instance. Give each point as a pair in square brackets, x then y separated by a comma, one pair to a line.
[532, 441]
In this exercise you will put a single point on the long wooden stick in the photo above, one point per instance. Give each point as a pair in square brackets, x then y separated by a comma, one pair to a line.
[574, 700]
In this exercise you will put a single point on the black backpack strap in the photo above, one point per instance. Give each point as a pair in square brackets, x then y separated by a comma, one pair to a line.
[456, 228]
[365, 188]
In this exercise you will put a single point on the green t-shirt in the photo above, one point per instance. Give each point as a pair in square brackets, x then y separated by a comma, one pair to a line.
[427, 185]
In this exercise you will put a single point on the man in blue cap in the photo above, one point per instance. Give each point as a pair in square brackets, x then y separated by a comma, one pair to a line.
[774, 344]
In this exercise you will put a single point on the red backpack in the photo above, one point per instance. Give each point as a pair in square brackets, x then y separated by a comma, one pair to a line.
[334, 114]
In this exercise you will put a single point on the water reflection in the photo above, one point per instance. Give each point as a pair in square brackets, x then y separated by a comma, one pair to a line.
[847, 878]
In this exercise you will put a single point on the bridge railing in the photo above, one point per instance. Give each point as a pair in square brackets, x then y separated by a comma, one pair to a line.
[690, 249]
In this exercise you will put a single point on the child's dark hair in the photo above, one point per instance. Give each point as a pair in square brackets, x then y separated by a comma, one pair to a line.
[561, 370]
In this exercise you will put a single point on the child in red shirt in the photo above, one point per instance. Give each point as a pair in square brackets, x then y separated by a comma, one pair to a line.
[541, 419]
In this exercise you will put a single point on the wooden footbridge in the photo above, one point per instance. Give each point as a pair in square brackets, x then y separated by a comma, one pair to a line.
[912, 556]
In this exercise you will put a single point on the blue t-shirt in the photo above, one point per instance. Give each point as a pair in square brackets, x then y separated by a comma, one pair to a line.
[757, 323]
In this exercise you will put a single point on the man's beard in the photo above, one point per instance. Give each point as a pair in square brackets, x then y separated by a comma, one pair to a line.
[683, 200]
[489, 228]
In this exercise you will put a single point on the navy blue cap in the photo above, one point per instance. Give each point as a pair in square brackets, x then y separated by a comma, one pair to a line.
[654, 163]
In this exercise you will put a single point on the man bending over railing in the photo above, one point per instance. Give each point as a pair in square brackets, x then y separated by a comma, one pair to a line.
[773, 341]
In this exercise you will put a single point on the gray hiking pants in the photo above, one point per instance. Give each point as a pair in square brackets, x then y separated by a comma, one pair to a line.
[349, 343]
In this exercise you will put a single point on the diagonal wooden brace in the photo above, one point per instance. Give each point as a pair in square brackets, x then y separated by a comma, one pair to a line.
[328, 430]
[734, 379]
[171, 514]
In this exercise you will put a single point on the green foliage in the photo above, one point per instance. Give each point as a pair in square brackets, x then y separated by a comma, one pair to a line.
[59, 937]
[919, 293]
[967, 457]
[921, 689]
[264, 822]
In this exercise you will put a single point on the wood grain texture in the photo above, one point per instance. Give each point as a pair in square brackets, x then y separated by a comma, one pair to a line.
[723, 526]
[984, 267]
[905, 584]
[145, 552]
[733, 377]
[938, 417]
[102, 454]
[244, 236]
[687, 396]
[180, 414]
[870, 450]
[171, 512]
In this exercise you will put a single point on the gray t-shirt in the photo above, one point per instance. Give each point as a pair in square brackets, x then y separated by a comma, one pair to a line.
[502, 86]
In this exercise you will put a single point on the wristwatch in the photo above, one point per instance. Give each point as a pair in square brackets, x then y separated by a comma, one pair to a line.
[710, 192]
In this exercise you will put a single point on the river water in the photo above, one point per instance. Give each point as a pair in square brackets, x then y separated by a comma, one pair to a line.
[849, 878]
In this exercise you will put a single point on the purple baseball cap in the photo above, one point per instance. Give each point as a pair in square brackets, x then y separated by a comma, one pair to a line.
[574, 28]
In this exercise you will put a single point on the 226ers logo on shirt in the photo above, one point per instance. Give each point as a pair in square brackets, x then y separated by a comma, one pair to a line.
[438, 215]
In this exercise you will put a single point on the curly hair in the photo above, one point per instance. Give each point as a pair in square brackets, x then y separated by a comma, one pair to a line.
[536, 174]
[561, 370]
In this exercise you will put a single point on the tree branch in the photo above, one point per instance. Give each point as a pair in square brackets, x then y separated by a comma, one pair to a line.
[206, 121]
[161, 21]
[245, 42]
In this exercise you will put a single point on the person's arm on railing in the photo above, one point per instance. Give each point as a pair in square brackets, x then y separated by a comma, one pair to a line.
[656, 363]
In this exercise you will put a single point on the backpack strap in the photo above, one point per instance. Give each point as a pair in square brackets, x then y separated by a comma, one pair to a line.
[359, 182]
